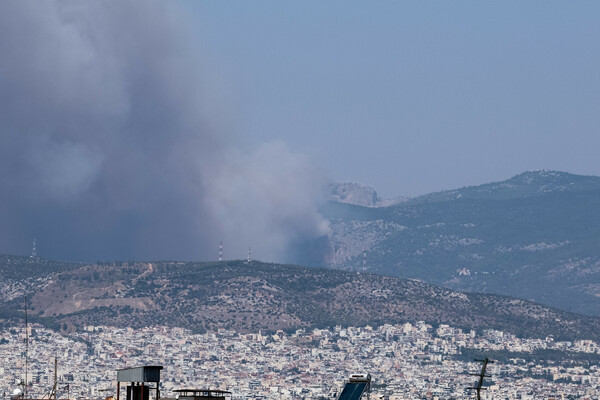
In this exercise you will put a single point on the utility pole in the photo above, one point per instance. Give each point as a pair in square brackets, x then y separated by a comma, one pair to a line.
[26, 349]
[53, 392]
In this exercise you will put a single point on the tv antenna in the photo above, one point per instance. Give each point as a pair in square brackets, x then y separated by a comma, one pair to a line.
[33, 249]
[26, 347]
[481, 375]
[52, 395]
[221, 250]
[249, 254]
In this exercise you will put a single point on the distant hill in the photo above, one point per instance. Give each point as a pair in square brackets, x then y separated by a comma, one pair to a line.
[535, 236]
[27, 274]
[527, 184]
[359, 194]
[253, 296]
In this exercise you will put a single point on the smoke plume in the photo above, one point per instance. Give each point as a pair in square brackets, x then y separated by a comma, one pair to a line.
[113, 147]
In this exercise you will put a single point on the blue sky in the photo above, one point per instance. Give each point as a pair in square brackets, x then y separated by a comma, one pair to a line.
[412, 97]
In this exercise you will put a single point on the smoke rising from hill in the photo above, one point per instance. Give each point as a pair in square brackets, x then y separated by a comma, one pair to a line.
[112, 145]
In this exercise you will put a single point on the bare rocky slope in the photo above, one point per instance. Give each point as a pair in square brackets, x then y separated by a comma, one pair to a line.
[253, 296]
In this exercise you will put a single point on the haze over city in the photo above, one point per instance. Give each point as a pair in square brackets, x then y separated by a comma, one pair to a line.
[155, 130]
[299, 200]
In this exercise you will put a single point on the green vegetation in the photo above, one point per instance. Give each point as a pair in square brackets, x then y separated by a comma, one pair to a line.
[539, 356]
[534, 236]
[20, 268]
[260, 296]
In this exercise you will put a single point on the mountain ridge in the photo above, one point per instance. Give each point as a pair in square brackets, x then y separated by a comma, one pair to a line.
[532, 236]
[253, 296]
[520, 185]
[528, 183]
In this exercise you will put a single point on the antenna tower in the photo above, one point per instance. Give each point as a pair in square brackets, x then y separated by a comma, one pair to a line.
[481, 375]
[221, 250]
[33, 249]
[249, 254]
[26, 349]
[53, 392]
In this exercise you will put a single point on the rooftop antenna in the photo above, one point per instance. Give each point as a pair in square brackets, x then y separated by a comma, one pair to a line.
[26, 350]
[221, 250]
[249, 254]
[481, 375]
[33, 249]
[53, 392]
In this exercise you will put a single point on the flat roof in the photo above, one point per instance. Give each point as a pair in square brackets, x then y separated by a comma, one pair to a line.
[204, 392]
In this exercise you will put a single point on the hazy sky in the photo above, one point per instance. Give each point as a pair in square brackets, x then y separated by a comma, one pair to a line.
[414, 97]
[156, 129]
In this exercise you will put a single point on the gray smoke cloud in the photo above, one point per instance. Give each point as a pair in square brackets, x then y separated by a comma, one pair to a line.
[112, 145]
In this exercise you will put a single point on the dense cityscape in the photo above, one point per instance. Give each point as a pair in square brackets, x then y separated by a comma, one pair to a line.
[408, 361]
[288, 200]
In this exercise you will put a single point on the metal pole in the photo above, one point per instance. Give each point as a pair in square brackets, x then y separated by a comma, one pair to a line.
[53, 395]
[481, 375]
[480, 384]
[26, 349]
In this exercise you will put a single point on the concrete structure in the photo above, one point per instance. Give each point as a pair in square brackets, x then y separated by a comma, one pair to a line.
[138, 377]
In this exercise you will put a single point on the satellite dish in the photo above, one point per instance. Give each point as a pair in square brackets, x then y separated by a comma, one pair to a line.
[16, 392]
